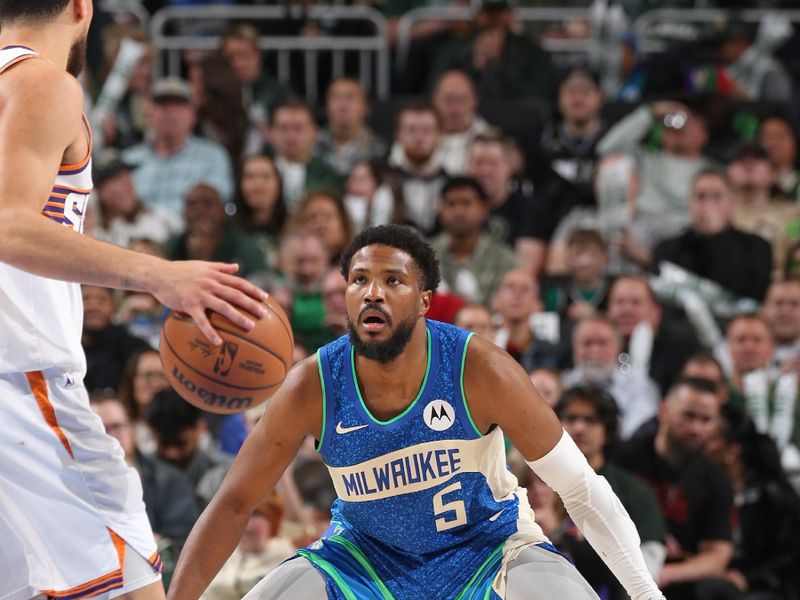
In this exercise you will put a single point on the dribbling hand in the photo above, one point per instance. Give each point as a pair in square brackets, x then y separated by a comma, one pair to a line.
[193, 287]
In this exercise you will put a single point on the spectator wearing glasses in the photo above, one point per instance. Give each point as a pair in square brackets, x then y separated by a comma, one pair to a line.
[591, 417]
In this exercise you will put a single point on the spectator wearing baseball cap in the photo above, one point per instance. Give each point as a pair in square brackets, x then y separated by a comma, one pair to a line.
[172, 160]
[121, 216]
[759, 207]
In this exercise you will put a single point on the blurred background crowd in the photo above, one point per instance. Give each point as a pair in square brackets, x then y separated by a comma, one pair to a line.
[613, 191]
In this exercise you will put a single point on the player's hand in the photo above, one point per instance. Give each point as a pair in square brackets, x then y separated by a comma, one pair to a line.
[193, 287]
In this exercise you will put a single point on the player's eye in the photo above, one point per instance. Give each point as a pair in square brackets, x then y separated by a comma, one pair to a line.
[393, 280]
[359, 279]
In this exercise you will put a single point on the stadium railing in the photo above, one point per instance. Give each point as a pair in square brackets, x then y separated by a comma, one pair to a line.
[526, 15]
[372, 50]
[658, 27]
[127, 10]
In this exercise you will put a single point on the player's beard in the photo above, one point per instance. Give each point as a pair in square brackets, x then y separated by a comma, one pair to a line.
[386, 351]
[76, 61]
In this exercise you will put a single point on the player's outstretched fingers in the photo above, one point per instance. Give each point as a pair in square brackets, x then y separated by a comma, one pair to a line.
[242, 301]
[201, 320]
[229, 312]
[225, 267]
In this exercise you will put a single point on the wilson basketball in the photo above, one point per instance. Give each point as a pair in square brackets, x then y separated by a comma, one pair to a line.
[246, 369]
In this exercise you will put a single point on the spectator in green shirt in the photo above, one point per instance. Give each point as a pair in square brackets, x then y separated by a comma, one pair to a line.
[210, 235]
[293, 135]
[303, 262]
[590, 415]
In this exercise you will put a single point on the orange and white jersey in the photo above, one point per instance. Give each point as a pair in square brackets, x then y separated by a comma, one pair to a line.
[41, 319]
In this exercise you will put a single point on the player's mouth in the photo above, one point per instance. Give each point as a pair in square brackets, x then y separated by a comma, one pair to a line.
[373, 320]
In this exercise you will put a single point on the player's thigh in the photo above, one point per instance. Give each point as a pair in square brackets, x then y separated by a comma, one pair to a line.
[295, 579]
[539, 574]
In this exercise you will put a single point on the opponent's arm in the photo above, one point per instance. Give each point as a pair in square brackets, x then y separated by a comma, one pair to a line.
[294, 412]
[499, 392]
[37, 123]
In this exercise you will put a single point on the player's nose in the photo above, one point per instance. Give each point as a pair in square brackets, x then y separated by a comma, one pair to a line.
[374, 292]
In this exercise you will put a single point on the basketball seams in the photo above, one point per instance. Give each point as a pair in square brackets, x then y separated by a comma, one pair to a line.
[188, 319]
[180, 359]
[259, 346]
[247, 360]
[286, 326]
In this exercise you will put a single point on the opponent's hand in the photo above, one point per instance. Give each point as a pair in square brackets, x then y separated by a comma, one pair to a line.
[193, 287]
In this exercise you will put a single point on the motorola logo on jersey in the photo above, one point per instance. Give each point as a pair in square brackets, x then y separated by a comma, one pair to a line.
[439, 415]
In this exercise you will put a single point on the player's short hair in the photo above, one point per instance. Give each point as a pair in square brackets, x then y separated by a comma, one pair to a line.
[403, 238]
[36, 11]
[604, 405]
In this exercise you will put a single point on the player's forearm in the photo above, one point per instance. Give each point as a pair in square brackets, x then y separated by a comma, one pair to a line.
[600, 516]
[33, 243]
[211, 542]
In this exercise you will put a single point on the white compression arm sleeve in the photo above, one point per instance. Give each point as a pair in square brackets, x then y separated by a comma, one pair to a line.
[598, 513]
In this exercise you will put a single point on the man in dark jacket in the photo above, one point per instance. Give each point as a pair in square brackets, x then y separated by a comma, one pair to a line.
[712, 248]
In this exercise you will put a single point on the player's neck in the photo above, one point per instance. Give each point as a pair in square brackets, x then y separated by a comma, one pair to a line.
[51, 43]
[387, 388]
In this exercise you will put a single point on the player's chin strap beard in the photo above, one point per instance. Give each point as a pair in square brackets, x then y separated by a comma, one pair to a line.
[388, 350]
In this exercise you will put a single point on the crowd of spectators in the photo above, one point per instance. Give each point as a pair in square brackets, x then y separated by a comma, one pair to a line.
[637, 250]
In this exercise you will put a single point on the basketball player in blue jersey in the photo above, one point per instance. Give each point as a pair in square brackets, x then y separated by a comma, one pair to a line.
[409, 416]
[72, 520]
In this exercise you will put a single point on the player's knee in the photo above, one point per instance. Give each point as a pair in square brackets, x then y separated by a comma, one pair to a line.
[295, 579]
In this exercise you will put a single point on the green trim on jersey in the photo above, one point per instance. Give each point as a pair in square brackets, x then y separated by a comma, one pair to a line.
[329, 570]
[324, 403]
[468, 591]
[461, 378]
[356, 552]
[410, 406]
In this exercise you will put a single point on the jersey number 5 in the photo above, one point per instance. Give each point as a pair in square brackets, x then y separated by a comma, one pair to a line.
[454, 506]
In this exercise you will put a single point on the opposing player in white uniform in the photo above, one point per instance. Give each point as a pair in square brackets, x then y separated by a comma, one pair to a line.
[72, 520]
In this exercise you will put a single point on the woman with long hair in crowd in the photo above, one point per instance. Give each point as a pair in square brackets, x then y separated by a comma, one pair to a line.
[221, 115]
[260, 205]
[324, 214]
[767, 550]
[142, 378]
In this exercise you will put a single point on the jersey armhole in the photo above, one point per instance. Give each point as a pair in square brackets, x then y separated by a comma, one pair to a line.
[461, 355]
[15, 61]
[321, 363]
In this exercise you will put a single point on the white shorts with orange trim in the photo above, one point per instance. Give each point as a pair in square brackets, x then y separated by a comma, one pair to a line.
[70, 507]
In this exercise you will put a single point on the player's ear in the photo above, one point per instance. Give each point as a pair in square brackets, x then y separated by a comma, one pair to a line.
[425, 302]
[82, 10]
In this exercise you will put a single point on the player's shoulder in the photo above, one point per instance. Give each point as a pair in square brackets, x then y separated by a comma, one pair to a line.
[36, 83]
[300, 396]
[486, 357]
[302, 382]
